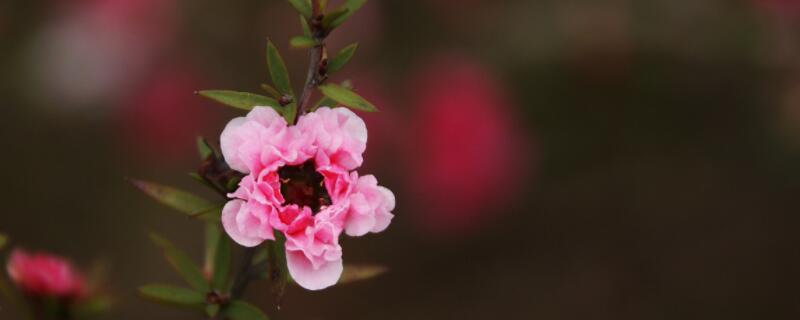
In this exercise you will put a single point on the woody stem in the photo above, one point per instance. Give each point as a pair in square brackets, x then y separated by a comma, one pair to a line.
[318, 60]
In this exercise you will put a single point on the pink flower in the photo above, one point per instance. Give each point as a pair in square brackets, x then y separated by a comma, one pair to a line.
[40, 274]
[474, 158]
[301, 182]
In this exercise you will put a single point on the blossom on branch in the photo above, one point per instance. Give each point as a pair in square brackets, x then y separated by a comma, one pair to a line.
[301, 182]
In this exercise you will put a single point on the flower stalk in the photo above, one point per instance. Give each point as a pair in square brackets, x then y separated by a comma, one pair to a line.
[318, 59]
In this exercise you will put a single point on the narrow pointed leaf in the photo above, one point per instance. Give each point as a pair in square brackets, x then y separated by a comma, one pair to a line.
[261, 255]
[302, 42]
[212, 310]
[271, 91]
[278, 272]
[304, 26]
[328, 102]
[352, 6]
[182, 264]
[291, 112]
[325, 102]
[92, 306]
[341, 58]
[196, 176]
[233, 183]
[222, 264]
[172, 197]
[240, 310]
[346, 97]
[277, 70]
[302, 6]
[240, 100]
[172, 295]
[353, 273]
[329, 18]
[211, 214]
[203, 149]
[213, 234]
[3, 240]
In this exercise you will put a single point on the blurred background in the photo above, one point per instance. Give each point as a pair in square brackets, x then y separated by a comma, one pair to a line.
[553, 159]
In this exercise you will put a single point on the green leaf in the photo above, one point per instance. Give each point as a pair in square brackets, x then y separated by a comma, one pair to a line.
[182, 264]
[240, 100]
[278, 271]
[222, 264]
[92, 306]
[328, 102]
[213, 235]
[261, 255]
[210, 214]
[196, 176]
[212, 310]
[346, 97]
[352, 6]
[353, 273]
[277, 70]
[325, 102]
[330, 17]
[174, 198]
[240, 310]
[291, 112]
[271, 91]
[233, 183]
[203, 149]
[341, 58]
[173, 295]
[302, 42]
[304, 26]
[3, 240]
[302, 6]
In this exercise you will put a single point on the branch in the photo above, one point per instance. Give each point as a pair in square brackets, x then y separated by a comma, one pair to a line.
[317, 74]
[318, 60]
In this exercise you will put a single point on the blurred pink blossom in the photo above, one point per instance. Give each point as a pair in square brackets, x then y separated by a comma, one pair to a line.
[781, 8]
[301, 182]
[106, 44]
[41, 274]
[466, 152]
[162, 114]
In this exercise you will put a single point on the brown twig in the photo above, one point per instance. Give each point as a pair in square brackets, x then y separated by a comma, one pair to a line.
[318, 59]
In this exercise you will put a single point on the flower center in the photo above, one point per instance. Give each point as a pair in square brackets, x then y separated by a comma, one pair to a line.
[304, 186]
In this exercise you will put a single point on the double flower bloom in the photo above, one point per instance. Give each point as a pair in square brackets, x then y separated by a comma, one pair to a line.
[301, 181]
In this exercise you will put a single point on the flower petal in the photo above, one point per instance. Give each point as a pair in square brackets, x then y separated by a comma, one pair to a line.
[256, 141]
[304, 273]
[370, 207]
[246, 223]
[339, 136]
